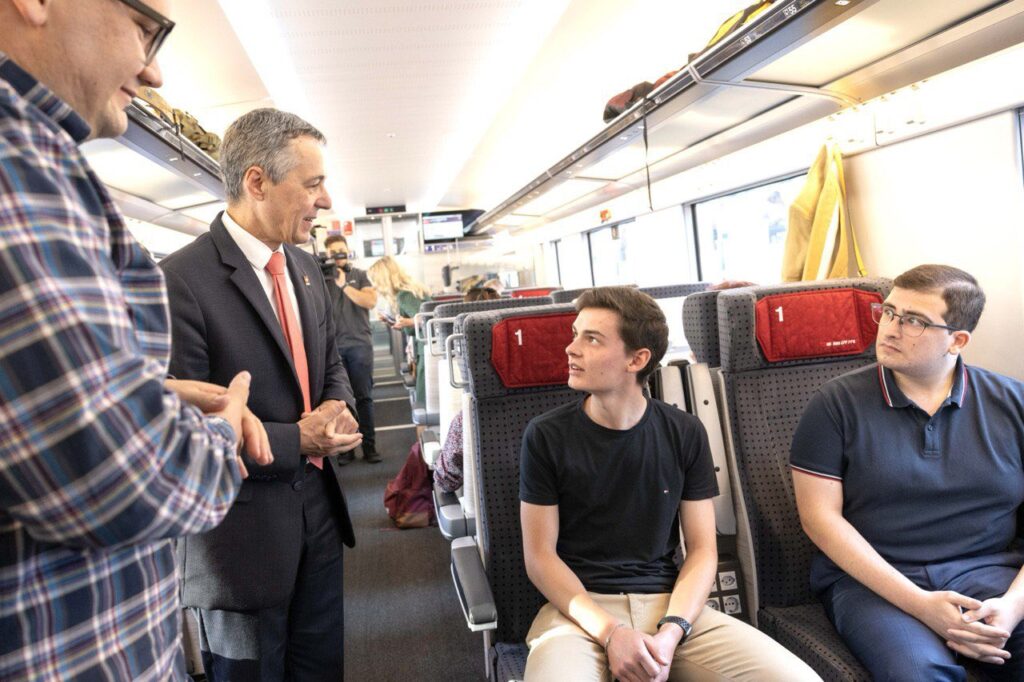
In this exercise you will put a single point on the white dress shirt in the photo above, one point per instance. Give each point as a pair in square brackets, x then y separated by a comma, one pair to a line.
[258, 254]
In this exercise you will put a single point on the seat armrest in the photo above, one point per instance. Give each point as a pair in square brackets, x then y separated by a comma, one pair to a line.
[471, 585]
[430, 447]
[443, 499]
[450, 519]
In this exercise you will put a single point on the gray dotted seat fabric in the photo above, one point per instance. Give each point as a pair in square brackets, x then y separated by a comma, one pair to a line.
[511, 661]
[502, 415]
[675, 290]
[567, 295]
[700, 325]
[766, 401]
[806, 631]
[451, 310]
[428, 306]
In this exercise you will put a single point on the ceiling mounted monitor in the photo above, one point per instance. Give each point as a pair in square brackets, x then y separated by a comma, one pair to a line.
[446, 226]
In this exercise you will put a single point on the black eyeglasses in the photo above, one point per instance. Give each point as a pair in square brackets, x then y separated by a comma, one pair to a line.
[154, 39]
[912, 325]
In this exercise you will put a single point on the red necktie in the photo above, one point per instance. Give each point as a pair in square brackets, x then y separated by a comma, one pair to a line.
[292, 332]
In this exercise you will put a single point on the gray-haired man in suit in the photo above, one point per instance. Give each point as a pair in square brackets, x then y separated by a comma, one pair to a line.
[266, 585]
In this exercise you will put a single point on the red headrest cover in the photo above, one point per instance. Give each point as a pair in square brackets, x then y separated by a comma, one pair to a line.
[530, 351]
[812, 324]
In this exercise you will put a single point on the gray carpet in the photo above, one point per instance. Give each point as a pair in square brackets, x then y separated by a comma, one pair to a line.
[402, 618]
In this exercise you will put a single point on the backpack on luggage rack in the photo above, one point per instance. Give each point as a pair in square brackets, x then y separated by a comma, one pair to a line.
[627, 98]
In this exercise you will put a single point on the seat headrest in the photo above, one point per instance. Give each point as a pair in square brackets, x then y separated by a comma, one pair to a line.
[428, 306]
[700, 325]
[533, 292]
[675, 290]
[798, 323]
[453, 309]
[570, 295]
[518, 350]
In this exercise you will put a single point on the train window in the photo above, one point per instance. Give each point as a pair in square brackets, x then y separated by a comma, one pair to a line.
[608, 255]
[652, 250]
[742, 235]
[555, 251]
[1020, 134]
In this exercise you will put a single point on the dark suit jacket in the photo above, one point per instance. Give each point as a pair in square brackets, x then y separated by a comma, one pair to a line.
[222, 323]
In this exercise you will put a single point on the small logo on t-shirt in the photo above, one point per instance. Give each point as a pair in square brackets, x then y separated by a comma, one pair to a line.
[665, 492]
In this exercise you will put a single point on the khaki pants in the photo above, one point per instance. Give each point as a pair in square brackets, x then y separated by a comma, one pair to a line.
[719, 648]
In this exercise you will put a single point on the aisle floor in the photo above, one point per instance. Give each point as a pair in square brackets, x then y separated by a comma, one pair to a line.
[402, 618]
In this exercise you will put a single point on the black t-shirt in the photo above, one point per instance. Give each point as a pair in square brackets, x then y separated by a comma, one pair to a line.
[618, 492]
[352, 321]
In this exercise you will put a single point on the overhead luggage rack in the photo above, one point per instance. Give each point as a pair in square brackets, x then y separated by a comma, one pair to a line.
[157, 175]
[159, 141]
[798, 62]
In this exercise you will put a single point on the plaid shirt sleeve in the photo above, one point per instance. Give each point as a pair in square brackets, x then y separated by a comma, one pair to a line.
[94, 452]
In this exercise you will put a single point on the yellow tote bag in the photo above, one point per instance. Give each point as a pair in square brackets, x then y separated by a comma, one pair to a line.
[820, 242]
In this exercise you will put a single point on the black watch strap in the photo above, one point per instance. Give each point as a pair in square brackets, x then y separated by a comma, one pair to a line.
[683, 624]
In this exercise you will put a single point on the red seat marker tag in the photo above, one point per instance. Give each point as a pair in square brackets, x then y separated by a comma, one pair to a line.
[530, 351]
[813, 324]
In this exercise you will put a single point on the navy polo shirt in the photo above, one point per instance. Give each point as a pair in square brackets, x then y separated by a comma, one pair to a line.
[921, 489]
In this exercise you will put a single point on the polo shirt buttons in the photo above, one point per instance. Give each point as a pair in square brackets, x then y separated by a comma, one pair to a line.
[297, 485]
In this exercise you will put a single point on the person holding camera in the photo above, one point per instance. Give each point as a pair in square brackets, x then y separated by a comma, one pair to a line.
[352, 297]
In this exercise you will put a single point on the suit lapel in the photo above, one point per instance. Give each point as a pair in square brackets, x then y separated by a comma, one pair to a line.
[245, 279]
[303, 284]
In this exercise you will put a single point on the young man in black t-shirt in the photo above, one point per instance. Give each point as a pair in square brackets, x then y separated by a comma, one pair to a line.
[604, 484]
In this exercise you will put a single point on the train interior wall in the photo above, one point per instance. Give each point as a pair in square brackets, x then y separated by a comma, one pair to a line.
[953, 196]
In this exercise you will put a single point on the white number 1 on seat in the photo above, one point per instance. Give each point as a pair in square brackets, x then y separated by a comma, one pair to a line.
[779, 311]
[519, 336]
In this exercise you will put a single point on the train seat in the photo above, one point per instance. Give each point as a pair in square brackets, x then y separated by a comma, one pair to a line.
[490, 576]
[670, 299]
[455, 516]
[765, 400]
[570, 295]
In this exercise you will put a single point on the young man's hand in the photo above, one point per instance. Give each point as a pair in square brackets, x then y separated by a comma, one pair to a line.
[1001, 613]
[630, 659]
[662, 647]
[941, 611]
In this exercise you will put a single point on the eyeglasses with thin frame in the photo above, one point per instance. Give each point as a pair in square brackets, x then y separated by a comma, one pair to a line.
[912, 325]
[154, 39]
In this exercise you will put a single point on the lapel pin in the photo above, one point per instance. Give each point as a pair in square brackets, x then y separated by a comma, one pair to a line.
[305, 279]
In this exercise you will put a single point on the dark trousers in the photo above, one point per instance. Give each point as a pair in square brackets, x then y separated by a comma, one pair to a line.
[303, 640]
[894, 645]
[359, 365]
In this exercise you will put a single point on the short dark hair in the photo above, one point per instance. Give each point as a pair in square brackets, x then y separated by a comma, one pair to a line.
[963, 295]
[642, 324]
[334, 239]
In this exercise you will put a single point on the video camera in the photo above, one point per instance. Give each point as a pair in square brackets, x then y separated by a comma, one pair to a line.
[329, 266]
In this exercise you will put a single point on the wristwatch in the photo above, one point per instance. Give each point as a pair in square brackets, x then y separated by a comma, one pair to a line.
[681, 622]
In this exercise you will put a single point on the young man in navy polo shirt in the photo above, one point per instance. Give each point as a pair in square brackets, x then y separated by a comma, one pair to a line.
[908, 478]
[604, 484]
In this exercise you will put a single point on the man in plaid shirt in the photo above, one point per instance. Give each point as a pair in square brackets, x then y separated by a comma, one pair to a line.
[102, 459]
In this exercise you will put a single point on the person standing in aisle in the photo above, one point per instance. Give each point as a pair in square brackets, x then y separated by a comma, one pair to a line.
[404, 295]
[352, 297]
[105, 460]
[266, 585]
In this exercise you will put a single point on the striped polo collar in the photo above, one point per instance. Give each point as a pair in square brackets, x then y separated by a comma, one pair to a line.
[44, 99]
[894, 397]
